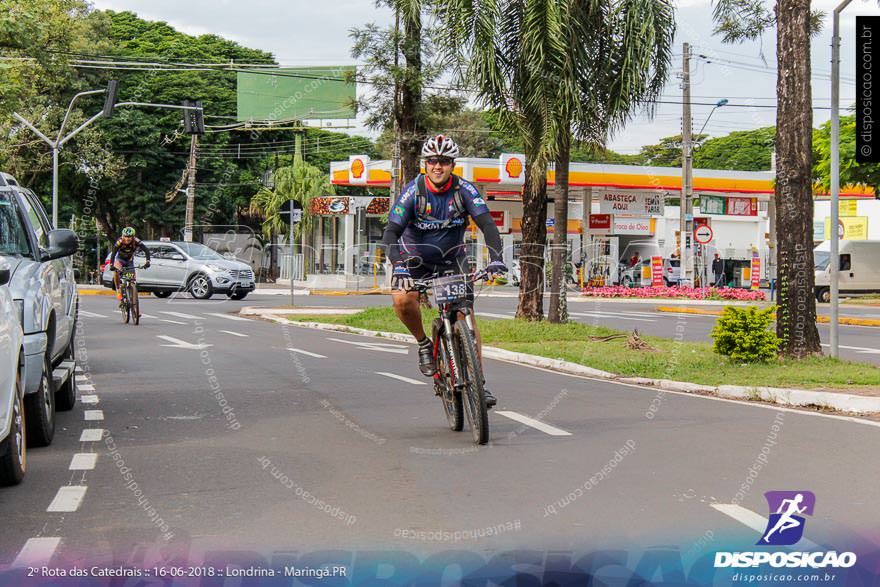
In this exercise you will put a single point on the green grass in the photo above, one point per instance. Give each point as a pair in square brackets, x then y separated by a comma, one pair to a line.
[680, 361]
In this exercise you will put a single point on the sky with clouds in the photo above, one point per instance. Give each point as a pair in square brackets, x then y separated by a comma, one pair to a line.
[302, 32]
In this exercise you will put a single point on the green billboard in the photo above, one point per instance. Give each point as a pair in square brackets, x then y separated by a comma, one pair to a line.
[296, 93]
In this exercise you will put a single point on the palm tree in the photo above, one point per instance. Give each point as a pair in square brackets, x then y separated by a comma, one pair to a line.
[301, 182]
[738, 20]
[618, 55]
[551, 68]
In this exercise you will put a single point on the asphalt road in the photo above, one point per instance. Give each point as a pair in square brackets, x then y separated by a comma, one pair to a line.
[857, 343]
[180, 472]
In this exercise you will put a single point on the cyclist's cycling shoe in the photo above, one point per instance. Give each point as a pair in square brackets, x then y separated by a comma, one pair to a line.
[426, 357]
[490, 399]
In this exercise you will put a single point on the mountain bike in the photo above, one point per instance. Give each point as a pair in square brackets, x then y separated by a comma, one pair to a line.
[129, 306]
[458, 379]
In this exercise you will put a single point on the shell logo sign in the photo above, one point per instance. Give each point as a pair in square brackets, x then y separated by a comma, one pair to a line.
[512, 169]
[358, 169]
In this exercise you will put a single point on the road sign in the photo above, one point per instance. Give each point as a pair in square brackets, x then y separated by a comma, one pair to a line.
[291, 210]
[704, 234]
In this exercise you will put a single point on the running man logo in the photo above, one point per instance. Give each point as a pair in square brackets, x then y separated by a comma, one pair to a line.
[786, 524]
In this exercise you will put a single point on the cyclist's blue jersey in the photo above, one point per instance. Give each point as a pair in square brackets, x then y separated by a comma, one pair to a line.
[426, 237]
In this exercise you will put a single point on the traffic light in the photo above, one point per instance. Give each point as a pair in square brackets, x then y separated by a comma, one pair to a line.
[110, 97]
[193, 120]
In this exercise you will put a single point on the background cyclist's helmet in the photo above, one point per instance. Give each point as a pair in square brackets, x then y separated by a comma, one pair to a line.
[440, 146]
[128, 231]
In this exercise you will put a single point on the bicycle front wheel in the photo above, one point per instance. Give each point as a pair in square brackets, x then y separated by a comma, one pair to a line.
[126, 304]
[471, 375]
[135, 303]
[444, 380]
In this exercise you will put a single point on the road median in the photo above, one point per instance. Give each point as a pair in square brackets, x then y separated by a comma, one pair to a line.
[679, 366]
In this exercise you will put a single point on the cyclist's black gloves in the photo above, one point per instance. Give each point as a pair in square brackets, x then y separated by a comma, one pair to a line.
[147, 265]
[401, 278]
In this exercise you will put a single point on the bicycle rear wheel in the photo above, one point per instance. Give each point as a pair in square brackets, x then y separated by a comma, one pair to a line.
[471, 374]
[444, 380]
[135, 303]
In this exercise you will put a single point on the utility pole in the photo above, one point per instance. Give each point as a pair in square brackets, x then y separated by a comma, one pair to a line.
[191, 189]
[834, 264]
[687, 189]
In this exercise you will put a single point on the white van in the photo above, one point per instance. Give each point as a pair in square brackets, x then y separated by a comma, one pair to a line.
[859, 268]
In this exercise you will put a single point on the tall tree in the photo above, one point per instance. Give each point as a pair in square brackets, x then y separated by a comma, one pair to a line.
[550, 68]
[616, 58]
[398, 64]
[747, 19]
[507, 50]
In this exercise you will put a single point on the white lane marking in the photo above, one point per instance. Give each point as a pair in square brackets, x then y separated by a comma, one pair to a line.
[182, 344]
[94, 415]
[753, 520]
[91, 314]
[147, 315]
[85, 387]
[91, 435]
[171, 321]
[491, 315]
[614, 316]
[83, 461]
[77, 369]
[859, 349]
[307, 353]
[36, 552]
[228, 316]
[181, 315]
[234, 333]
[374, 346]
[79, 378]
[401, 378]
[536, 424]
[68, 499]
[89, 399]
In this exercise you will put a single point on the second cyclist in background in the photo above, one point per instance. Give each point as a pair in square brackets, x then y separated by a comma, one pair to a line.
[122, 255]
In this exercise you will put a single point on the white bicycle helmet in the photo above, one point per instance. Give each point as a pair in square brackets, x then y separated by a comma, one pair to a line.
[440, 146]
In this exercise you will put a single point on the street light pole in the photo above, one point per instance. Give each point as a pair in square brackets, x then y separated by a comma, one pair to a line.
[60, 140]
[833, 263]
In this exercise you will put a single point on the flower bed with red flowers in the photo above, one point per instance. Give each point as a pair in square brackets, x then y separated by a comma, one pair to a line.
[692, 293]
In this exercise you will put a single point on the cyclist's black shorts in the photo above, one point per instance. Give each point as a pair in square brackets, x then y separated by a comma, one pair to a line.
[456, 266]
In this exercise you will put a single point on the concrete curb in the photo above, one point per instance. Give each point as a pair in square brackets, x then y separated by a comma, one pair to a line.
[820, 319]
[839, 401]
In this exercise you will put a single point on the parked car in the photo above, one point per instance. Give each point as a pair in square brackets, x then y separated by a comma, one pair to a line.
[632, 276]
[13, 446]
[193, 267]
[858, 270]
[44, 292]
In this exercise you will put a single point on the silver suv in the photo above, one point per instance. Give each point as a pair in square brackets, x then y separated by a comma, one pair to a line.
[44, 293]
[193, 267]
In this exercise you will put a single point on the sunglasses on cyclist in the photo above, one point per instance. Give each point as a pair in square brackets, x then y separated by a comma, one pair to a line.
[439, 161]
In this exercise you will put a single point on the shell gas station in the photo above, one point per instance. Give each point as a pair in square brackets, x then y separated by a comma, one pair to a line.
[628, 211]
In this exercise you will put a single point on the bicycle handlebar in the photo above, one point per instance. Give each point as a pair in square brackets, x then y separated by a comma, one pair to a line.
[426, 283]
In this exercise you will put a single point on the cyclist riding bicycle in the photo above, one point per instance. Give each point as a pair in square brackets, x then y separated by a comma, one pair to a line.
[122, 256]
[425, 235]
